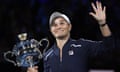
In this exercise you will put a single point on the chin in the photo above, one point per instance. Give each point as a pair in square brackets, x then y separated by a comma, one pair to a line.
[61, 37]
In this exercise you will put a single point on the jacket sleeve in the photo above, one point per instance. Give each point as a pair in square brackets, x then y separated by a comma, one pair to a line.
[96, 48]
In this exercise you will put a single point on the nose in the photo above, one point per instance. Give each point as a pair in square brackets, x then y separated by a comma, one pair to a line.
[58, 26]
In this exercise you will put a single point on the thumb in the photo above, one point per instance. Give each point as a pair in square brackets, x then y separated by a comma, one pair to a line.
[92, 14]
[36, 67]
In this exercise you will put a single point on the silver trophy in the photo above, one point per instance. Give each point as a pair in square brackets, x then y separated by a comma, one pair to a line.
[27, 53]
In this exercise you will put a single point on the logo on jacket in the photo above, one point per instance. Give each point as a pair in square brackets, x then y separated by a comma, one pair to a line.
[71, 52]
[76, 45]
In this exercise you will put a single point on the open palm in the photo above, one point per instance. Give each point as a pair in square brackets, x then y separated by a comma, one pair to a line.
[99, 12]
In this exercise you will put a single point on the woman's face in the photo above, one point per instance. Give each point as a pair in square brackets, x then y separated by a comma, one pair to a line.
[60, 28]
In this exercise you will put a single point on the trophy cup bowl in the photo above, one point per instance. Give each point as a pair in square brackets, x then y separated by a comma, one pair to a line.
[27, 52]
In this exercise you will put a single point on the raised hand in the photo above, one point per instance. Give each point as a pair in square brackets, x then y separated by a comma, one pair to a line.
[99, 12]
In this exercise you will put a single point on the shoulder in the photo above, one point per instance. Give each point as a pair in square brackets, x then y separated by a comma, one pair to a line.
[88, 40]
[82, 40]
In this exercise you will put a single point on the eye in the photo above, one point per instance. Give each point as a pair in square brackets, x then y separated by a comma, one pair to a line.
[62, 23]
[54, 25]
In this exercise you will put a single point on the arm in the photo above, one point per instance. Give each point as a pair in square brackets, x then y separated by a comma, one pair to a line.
[100, 16]
[96, 48]
[100, 48]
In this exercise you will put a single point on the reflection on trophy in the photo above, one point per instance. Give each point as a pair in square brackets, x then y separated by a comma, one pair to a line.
[27, 52]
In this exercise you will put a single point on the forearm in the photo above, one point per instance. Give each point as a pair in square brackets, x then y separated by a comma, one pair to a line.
[100, 16]
[105, 30]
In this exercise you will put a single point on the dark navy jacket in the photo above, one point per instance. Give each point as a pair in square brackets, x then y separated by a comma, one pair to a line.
[75, 55]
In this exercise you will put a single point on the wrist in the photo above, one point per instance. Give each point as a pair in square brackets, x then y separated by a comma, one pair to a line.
[102, 22]
[102, 25]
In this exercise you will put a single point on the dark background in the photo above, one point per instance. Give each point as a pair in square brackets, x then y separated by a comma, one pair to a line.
[32, 16]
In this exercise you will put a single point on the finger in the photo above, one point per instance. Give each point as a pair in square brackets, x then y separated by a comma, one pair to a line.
[100, 5]
[104, 9]
[91, 13]
[29, 68]
[97, 4]
[93, 6]
[36, 67]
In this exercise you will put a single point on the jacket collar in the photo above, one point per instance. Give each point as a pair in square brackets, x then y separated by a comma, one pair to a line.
[65, 47]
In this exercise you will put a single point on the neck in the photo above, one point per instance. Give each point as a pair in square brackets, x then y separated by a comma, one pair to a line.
[62, 41]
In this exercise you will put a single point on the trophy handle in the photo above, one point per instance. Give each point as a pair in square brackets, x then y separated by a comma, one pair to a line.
[44, 39]
[7, 59]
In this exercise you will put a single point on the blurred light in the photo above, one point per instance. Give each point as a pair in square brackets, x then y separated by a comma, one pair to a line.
[101, 71]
